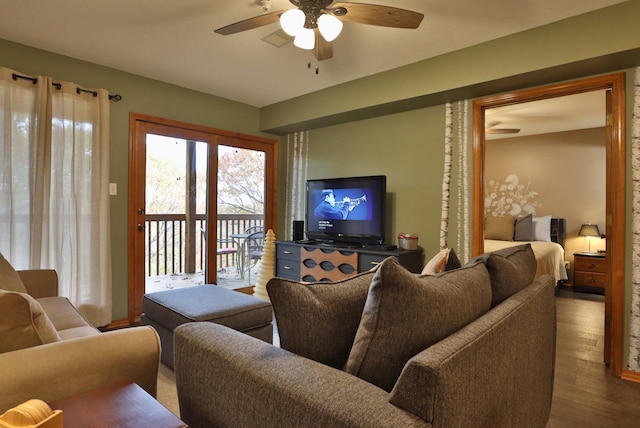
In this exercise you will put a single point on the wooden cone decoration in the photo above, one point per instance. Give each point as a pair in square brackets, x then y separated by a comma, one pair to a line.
[267, 266]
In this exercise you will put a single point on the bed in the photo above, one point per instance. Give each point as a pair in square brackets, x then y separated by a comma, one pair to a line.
[549, 255]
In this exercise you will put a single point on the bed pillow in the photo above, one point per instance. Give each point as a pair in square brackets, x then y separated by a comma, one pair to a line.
[319, 320]
[9, 278]
[499, 228]
[542, 228]
[524, 228]
[405, 314]
[23, 323]
[445, 260]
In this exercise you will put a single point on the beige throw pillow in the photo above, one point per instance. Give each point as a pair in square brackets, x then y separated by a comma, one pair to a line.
[405, 313]
[443, 261]
[499, 228]
[23, 323]
[9, 278]
[319, 320]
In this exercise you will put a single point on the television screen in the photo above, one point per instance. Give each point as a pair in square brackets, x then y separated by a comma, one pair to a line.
[349, 210]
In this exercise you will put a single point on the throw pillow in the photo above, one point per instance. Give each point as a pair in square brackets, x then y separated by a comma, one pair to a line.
[542, 228]
[511, 269]
[405, 313]
[9, 278]
[524, 228]
[319, 320]
[500, 228]
[23, 323]
[443, 261]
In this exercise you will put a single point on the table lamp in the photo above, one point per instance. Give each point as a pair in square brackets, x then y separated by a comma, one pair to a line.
[589, 230]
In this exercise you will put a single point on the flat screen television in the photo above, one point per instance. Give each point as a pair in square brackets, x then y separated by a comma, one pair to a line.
[348, 210]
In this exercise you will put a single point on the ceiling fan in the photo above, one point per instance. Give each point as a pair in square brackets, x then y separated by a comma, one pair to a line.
[316, 23]
[491, 128]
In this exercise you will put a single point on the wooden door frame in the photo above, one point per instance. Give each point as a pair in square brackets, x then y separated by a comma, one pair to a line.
[615, 179]
[139, 124]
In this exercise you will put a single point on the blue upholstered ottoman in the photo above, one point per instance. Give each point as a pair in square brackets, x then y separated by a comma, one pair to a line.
[166, 310]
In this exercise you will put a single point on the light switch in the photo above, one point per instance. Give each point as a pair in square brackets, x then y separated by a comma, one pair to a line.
[113, 189]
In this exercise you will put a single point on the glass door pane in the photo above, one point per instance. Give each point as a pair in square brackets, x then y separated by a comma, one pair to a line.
[175, 207]
[240, 212]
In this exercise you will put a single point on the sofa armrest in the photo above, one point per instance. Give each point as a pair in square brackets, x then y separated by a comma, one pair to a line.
[496, 371]
[61, 369]
[228, 379]
[40, 282]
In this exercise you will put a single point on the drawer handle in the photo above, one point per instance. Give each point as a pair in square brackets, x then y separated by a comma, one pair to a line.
[288, 268]
[593, 265]
[592, 280]
[375, 263]
[288, 252]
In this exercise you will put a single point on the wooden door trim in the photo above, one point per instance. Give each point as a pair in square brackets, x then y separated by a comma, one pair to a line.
[139, 125]
[615, 185]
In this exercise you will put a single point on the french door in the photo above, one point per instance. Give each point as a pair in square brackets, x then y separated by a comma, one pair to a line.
[192, 192]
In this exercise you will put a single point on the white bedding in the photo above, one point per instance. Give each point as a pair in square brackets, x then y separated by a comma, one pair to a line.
[549, 255]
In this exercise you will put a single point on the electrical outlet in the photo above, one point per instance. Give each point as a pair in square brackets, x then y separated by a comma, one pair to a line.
[113, 189]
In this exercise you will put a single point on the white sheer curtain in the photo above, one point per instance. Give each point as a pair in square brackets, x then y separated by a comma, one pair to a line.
[54, 179]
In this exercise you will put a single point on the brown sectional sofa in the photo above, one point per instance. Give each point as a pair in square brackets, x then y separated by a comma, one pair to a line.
[484, 334]
[49, 351]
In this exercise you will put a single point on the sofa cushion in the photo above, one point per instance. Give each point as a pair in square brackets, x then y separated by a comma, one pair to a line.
[406, 313]
[511, 269]
[66, 319]
[319, 320]
[9, 278]
[23, 323]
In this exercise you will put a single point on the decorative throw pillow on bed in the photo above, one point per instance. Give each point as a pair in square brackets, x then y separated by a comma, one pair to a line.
[524, 228]
[542, 228]
[23, 323]
[405, 313]
[9, 278]
[445, 260]
[319, 320]
[499, 228]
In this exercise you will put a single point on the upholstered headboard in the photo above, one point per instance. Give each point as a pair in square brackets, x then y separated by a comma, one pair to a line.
[558, 230]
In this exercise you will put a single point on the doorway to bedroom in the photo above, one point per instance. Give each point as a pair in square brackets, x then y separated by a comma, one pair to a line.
[612, 86]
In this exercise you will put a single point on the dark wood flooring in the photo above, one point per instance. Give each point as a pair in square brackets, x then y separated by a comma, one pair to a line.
[585, 395]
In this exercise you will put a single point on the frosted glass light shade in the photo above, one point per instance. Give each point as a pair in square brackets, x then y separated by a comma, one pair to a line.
[329, 26]
[305, 39]
[292, 21]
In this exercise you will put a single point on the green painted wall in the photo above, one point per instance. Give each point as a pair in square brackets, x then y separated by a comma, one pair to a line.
[140, 95]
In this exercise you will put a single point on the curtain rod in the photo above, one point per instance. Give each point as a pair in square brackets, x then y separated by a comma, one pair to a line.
[58, 86]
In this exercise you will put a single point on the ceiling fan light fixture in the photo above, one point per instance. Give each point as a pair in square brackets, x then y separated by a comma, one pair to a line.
[329, 26]
[305, 39]
[292, 21]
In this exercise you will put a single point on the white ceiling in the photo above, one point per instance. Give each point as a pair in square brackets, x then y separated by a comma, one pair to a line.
[568, 113]
[173, 41]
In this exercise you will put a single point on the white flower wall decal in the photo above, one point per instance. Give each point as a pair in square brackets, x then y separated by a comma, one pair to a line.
[509, 198]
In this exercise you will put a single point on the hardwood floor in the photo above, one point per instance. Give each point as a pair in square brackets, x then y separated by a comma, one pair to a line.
[585, 394]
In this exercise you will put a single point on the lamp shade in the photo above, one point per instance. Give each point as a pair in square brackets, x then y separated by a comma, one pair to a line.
[329, 26]
[292, 21]
[305, 39]
[589, 230]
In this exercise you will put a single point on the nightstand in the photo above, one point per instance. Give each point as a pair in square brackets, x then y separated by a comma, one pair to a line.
[590, 271]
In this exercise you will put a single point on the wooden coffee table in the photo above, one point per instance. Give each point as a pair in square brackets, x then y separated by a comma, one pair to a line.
[122, 404]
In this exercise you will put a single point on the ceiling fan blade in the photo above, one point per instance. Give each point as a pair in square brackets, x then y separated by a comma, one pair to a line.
[323, 49]
[502, 130]
[251, 23]
[384, 16]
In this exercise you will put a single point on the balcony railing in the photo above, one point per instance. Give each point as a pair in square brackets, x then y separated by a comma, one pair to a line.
[167, 250]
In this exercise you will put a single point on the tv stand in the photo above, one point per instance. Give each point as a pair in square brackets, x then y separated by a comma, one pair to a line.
[331, 261]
